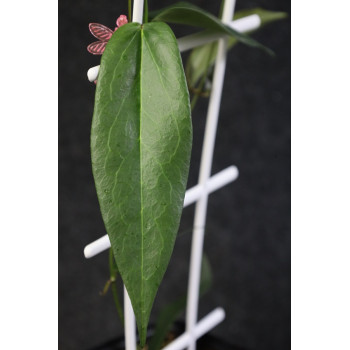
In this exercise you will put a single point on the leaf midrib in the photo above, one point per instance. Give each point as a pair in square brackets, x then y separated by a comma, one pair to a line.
[141, 184]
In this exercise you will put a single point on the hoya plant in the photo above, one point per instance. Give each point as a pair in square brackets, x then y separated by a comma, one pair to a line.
[141, 138]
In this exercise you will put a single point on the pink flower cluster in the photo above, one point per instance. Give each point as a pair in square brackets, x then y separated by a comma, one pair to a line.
[122, 19]
[103, 34]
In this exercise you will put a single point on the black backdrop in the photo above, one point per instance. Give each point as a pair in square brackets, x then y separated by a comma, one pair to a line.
[248, 226]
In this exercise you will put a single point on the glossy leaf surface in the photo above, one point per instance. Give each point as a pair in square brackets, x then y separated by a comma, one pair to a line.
[140, 144]
[204, 56]
[185, 13]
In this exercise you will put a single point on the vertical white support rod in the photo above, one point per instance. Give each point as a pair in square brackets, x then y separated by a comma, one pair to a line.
[204, 174]
[137, 14]
[130, 323]
[130, 326]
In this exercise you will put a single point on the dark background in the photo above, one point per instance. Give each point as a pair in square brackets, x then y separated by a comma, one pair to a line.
[248, 225]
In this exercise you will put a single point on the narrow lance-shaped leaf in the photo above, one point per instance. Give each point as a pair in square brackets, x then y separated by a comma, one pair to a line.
[186, 13]
[140, 144]
[266, 16]
[204, 56]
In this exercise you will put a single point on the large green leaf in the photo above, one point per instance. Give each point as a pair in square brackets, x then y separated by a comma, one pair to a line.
[185, 13]
[203, 57]
[140, 144]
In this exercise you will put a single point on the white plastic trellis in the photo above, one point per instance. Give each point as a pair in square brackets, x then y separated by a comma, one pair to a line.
[199, 193]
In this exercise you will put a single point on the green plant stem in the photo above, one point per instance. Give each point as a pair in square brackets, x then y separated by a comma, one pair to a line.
[129, 11]
[221, 8]
[202, 82]
[116, 301]
[204, 77]
[139, 347]
[145, 15]
[113, 276]
[199, 91]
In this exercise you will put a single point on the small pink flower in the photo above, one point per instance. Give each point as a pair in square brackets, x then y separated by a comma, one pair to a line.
[103, 33]
[122, 19]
